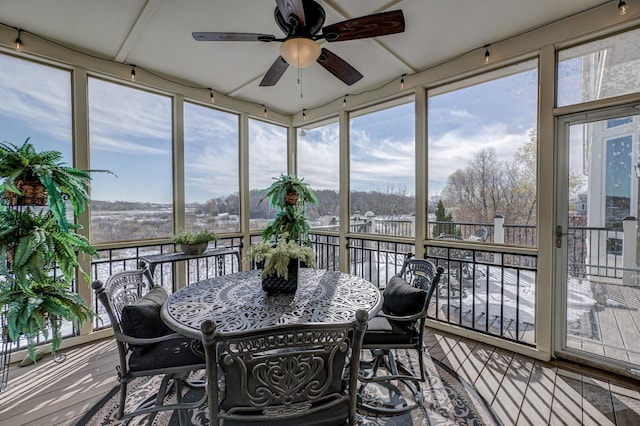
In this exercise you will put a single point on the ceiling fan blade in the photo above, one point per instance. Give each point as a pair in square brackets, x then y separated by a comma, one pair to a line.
[375, 25]
[209, 36]
[292, 7]
[275, 72]
[338, 67]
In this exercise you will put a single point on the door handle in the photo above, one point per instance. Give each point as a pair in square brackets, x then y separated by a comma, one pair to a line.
[559, 235]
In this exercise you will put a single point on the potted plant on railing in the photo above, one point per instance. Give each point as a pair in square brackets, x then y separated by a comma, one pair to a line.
[285, 240]
[194, 242]
[39, 246]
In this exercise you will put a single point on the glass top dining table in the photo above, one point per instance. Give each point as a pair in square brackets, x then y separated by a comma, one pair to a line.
[236, 302]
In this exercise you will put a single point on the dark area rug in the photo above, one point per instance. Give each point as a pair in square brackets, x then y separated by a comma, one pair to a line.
[446, 400]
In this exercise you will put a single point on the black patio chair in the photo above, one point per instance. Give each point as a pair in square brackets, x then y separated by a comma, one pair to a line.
[462, 260]
[480, 235]
[400, 325]
[146, 346]
[285, 375]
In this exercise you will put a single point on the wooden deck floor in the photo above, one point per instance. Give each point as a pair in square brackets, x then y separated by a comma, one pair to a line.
[610, 327]
[521, 390]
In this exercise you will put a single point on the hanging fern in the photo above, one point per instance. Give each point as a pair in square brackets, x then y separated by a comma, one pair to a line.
[34, 306]
[62, 182]
[39, 249]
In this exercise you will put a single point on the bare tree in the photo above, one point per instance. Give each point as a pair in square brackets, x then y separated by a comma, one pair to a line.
[487, 187]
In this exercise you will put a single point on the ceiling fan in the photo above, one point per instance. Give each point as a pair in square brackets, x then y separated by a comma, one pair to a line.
[301, 21]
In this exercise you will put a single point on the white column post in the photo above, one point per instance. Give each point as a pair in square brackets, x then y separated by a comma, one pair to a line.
[498, 236]
[498, 229]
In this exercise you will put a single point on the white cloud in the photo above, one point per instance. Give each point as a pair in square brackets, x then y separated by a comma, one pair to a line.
[36, 97]
[318, 157]
[453, 150]
[460, 113]
[106, 143]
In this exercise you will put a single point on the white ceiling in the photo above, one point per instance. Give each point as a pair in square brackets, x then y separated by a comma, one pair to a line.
[156, 35]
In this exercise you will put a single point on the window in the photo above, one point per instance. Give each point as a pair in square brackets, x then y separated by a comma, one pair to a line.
[600, 69]
[211, 172]
[36, 104]
[319, 165]
[482, 144]
[267, 159]
[617, 182]
[382, 167]
[130, 134]
[615, 122]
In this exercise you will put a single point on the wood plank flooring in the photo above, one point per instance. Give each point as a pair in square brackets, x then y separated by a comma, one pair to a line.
[611, 326]
[521, 390]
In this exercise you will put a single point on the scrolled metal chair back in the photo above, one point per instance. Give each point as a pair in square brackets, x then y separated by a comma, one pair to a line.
[419, 272]
[121, 289]
[284, 372]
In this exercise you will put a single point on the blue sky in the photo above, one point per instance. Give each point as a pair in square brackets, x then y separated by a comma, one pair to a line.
[130, 134]
[35, 103]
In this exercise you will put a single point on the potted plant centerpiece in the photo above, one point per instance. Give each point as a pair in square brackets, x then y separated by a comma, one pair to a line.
[194, 242]
[285, 240]
[39, 247]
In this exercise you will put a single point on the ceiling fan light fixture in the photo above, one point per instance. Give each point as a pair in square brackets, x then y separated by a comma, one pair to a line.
[300, 52]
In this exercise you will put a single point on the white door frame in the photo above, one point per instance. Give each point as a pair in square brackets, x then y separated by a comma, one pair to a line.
[563, 124]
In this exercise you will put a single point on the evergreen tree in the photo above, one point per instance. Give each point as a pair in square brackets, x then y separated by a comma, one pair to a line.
[443, 216]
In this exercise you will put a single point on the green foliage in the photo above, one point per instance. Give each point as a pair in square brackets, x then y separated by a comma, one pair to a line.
[289, 229]
[36, 244]
[38, 260]
[444, 228]
[276, 257]
[277, 192]
[62, 182]
[39, 248]
[35, 304]
[197, 237]
[291, 218]
[291, 221]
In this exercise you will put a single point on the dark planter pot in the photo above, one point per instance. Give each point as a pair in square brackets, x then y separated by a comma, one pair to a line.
[273, 283]
[193, 249]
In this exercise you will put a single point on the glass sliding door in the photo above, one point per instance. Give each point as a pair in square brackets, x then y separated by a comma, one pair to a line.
[597, 238]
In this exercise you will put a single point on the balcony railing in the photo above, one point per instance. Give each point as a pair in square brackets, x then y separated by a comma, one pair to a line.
[113, 260]
[487, 291]
[484, 288]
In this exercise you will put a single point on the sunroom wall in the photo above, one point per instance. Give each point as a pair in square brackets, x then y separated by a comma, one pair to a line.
[540, 43]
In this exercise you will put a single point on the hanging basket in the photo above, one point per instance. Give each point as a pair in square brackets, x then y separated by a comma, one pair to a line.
[291, 198]
[33, 194]
[274, 284]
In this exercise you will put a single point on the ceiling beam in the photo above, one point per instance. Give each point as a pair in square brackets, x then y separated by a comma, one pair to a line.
[144, 18]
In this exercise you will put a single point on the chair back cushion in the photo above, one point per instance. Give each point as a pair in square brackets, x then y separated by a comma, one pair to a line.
[402, 299]
[141, 319]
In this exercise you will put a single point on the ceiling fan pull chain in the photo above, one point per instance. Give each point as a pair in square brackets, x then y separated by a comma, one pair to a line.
[300, 80]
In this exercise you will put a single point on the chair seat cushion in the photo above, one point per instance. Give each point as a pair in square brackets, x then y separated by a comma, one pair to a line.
[141, 319]
[382, 331]
[401, 298]
[168, 354]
